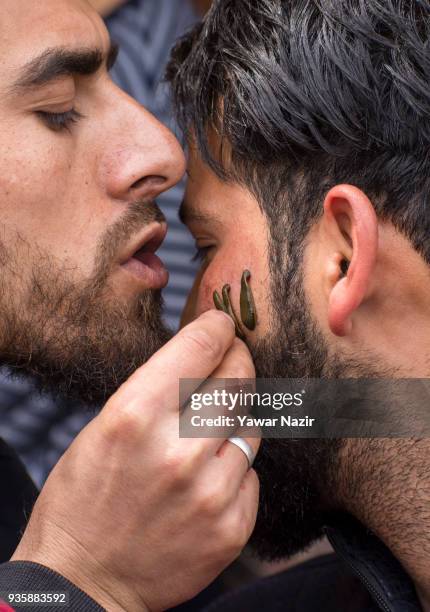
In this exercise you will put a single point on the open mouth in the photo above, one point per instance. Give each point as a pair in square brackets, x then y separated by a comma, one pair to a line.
[143, 263]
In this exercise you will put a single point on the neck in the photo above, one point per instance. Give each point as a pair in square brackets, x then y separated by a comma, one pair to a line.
[388, 490]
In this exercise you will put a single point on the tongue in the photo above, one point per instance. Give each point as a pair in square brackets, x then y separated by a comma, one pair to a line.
[149, 267]
[149, 259]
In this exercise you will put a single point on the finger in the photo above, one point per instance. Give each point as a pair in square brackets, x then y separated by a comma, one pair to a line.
[194, 353]
[233, 462]
[248, 501]
[237, 372]
[241, 515]
[226, 470]
[237, 363]
[234, 375]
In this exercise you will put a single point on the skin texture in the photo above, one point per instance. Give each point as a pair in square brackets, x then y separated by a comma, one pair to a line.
[370, 318]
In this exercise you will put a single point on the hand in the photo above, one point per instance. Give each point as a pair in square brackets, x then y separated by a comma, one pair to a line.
[132, 514]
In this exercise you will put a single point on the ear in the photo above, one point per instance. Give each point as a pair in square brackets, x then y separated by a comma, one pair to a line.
[352, 228]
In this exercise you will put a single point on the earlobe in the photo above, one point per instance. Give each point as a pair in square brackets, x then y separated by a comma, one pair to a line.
[353, 226]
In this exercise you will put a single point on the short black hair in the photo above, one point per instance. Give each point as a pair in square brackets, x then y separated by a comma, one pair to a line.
[312, 93]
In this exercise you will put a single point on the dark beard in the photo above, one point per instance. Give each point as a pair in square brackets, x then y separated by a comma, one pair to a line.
[74, 339]
[291, 472]
[297, 476]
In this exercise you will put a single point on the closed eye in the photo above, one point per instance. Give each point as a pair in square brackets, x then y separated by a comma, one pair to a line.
[201, 254]
[59, 121]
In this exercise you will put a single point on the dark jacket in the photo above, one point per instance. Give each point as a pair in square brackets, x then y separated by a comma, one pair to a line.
[17, 497]
[363, 576]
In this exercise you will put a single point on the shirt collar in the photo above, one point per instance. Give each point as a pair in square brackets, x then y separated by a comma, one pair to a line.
[373, 563]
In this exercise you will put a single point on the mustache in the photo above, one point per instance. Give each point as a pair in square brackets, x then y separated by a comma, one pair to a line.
[138, 215]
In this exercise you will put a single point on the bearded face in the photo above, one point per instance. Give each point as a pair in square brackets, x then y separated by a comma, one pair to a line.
[75, 336]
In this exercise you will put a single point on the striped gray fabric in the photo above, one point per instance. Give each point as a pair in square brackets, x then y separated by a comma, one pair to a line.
[38, 428]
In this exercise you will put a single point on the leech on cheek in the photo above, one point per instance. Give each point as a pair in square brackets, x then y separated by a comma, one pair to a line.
[248, 312]
[224, 304]
[230, 311]
[219, 304]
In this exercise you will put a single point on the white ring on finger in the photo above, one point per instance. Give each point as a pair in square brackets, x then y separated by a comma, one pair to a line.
[245, 447]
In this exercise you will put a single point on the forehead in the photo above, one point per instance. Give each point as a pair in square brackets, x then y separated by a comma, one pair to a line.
[29, 27]
[209, 197]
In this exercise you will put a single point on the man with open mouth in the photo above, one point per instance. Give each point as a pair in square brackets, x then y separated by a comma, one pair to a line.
[80, 313]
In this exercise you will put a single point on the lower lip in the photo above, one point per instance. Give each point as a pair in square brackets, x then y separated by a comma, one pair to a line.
[148, 268]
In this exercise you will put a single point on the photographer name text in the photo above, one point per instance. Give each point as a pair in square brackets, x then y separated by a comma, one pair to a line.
[247, 421]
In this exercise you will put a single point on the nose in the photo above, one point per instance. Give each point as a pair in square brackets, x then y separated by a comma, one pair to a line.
[142, 158]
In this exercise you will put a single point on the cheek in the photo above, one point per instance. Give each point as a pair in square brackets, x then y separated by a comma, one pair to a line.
[213, 279]
[229, 268]
[33, 185]
[42, 197]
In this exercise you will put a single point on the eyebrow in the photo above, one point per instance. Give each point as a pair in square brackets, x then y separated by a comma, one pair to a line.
[59, 62]
[187, 214]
